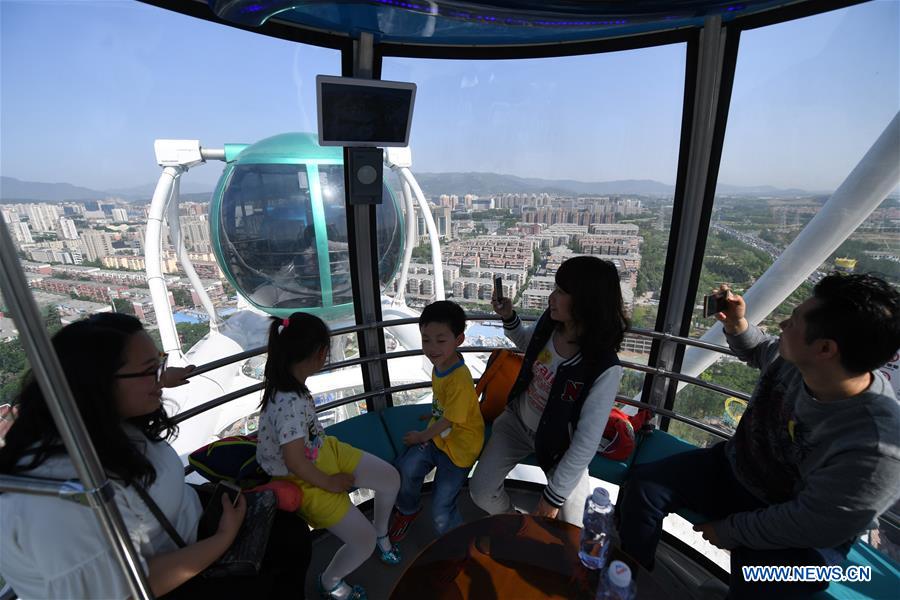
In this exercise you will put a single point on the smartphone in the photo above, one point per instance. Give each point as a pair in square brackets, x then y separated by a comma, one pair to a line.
[714, 303]
[212, 513]
[498, 288]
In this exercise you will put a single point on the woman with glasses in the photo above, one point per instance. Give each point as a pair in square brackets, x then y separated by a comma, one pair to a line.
[55, 548]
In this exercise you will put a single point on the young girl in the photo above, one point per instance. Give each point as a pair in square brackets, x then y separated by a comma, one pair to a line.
[293, 446]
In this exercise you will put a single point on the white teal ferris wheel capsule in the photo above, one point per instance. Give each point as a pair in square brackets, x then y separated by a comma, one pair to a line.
[279, 227]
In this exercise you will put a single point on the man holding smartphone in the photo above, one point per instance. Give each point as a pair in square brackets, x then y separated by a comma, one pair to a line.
[816, 456]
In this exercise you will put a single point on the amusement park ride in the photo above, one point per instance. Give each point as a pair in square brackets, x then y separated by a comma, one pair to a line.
[294, 228]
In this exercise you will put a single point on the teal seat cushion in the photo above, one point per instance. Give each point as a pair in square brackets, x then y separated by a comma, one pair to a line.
[367, 433]
[613, 471]
[400, 419]
[885, 581]
[658, 445]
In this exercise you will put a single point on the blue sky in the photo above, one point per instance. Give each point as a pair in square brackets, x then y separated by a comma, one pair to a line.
[85, 88]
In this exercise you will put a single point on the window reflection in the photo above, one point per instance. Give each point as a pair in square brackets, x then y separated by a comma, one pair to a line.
[269, 239]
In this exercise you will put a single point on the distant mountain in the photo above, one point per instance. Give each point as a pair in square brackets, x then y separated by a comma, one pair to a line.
[433, 184]
[16, 190]
[145, 192]
[765, 190]
[484, 184]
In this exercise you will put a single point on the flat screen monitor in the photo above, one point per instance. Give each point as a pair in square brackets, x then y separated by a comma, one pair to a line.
[364, 112]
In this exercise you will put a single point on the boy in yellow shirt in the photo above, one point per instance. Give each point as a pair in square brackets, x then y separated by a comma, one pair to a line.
[454, 436]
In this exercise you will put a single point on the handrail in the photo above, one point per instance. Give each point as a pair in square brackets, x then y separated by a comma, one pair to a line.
[657, 335]
[664, 412]
[389, 355]
[202, 408]
[685, 378]
[70, 489]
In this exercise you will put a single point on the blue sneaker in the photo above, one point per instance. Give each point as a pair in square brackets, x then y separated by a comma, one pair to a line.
[388, 557]
[356, 592]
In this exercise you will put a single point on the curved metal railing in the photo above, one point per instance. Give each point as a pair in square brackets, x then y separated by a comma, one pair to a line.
[656, 371]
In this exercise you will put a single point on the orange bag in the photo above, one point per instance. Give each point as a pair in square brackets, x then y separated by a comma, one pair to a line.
[497, 382]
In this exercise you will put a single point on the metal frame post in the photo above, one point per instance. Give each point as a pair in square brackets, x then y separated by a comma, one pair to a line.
[361, 225]
[691, 225]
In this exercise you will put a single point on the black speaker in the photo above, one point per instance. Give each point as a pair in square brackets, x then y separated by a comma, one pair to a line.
[365, 175]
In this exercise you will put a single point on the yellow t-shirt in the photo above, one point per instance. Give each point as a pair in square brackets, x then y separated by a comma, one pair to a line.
[455, 400]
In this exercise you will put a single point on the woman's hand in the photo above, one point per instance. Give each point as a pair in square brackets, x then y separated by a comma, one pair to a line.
[413, 438]
[339, 482]
[502, 307]
[544, 509]
[175, 376]
[232, 517]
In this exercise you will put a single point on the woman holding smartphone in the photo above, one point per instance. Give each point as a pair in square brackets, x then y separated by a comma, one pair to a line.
[54, 548]
[560, 402]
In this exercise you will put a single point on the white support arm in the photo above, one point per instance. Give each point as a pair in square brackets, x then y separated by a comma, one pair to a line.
[411, 238]
[181, 253]
[876, 175]
[432, 233]
[152, 251]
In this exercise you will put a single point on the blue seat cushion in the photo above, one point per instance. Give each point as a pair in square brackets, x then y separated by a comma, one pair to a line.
[367, 433]
[885, 577]
[400, 419]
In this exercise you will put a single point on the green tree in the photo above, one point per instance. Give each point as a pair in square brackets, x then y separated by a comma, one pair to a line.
[13, 365]
[123, 306]
[182, 297]
[52, 320]
[422, 252]
[191, 333]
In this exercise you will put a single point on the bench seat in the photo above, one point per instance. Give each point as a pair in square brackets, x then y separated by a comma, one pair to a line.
[366, 432]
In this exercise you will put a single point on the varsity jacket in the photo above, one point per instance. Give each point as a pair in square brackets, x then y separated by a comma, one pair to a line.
[573, 383]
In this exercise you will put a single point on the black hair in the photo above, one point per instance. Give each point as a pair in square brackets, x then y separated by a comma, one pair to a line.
[446, 312]
[291, 340]
[861, 313]
[597, 306]
[90, 352]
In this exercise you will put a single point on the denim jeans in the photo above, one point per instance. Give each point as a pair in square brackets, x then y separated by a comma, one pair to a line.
[414, 465]
[702, 481]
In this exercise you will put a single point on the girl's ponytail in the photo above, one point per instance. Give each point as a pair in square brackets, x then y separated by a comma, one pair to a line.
[291, 340]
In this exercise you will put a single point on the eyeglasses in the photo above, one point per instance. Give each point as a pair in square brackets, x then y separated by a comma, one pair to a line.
[156, 371]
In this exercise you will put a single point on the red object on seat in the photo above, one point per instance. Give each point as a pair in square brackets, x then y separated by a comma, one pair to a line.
[618, 437]
[289, 496]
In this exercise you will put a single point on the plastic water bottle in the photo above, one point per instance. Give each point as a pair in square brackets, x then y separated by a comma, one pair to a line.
[596, 530]
[616, 583]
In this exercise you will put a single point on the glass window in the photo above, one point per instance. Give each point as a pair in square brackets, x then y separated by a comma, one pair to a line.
[525, 163]
[810, 98]
[115, 63]
[389, 227]
[268, 236]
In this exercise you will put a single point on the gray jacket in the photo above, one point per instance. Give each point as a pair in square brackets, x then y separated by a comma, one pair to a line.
[826, 469]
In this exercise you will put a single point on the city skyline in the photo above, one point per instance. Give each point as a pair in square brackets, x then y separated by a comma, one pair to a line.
[96, 78]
